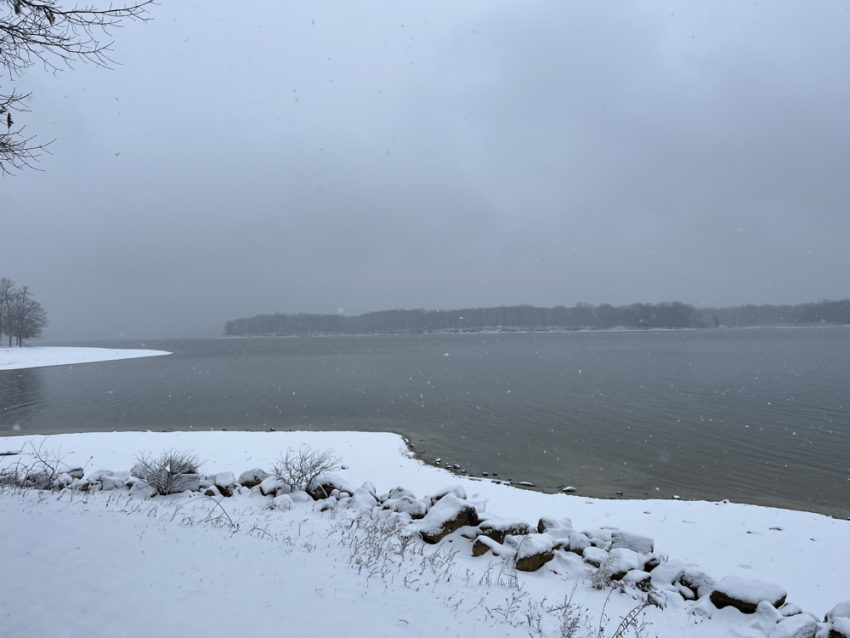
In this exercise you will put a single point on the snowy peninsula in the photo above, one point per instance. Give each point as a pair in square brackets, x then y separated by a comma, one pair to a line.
[43, 356]
[244, 554]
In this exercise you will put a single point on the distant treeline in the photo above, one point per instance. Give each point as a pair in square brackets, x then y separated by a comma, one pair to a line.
[521, 318]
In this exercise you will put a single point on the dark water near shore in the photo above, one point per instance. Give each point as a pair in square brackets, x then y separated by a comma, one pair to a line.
[759, 416]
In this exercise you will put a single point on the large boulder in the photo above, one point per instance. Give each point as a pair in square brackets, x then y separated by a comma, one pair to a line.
[698, 582]
[252, 478]
[634, 542]
[746, 593]
[455, 490]
[534, 551]
[800, 626]
[497, 529]
[547, 523]
[446, 515]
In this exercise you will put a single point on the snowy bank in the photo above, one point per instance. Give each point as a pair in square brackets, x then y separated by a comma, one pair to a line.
[40, 357]
[178, 554]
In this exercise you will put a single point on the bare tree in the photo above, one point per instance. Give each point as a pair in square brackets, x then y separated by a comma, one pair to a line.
[7, 294]
[47, 32]
[26, 318]
[299, 469]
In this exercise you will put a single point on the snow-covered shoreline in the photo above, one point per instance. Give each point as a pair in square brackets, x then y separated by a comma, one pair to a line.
[44, 356]
[802, 552]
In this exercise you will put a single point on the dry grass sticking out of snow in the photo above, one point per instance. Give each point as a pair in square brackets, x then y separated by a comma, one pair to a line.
[96, 563]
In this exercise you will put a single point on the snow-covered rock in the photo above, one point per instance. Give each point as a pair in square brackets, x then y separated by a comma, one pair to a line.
[746, 593]
[547, 522]
[535, 550]
[599, 537]
[799, 626]
[790, 609]
[407, 504]
[225, 481]
[578, 543]
[252, 478]
[840, 628]
[698, 581]
[622, 560]
[667, 573]
[484, 544]
[455, 490]
[445, 516]
[140, 489]
[639, 579]
[114, 480]
[634, 542]
[362, 500]
[330, 482]
[76, 472]
[97, 475]
[594, 556]
[841, 610]
[317, 492]
[399, 492]
[497, 528]
[300, 496]
[268, 486]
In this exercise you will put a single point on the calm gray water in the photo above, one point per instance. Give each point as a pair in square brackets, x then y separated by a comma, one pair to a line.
[759, 416]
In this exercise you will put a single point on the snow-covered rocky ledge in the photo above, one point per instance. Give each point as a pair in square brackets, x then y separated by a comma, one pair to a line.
[390, 546]
[44, 356]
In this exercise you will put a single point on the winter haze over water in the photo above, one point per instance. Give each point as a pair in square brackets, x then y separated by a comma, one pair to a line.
[312, 157]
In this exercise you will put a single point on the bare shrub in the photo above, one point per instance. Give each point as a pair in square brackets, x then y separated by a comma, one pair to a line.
[600, 578]
[40, 468]
[573, 620]
[632, 620]
[297, 470]
[169, 473]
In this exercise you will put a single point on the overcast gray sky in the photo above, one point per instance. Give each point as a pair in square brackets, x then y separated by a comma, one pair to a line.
[316, 156]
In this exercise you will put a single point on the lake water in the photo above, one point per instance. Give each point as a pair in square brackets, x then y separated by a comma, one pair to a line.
[759, 416]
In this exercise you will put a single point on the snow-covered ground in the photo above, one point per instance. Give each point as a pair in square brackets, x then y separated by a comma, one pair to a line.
[96, 563]
[39, 357]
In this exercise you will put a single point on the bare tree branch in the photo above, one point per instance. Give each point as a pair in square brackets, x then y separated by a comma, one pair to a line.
[46, 32]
